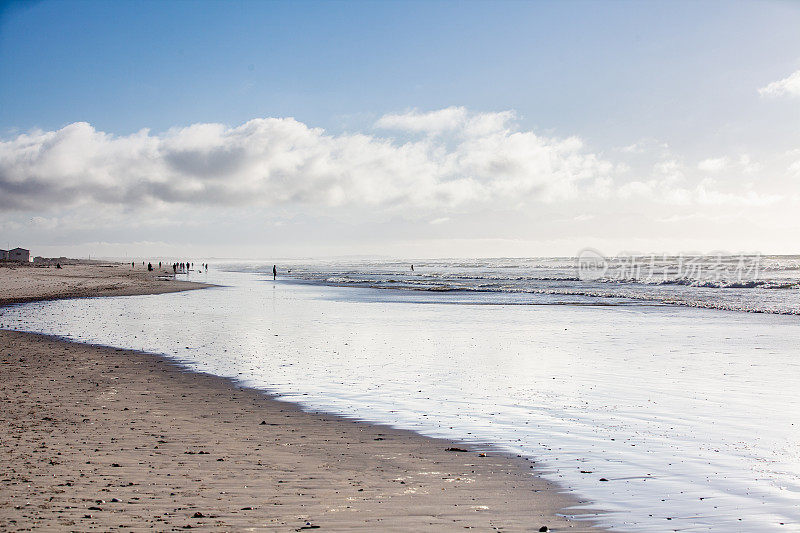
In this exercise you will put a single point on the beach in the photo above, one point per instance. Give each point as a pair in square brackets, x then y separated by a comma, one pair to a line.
[79, 279]
[101, 438]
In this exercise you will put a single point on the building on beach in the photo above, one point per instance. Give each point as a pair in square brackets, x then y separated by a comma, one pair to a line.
[17, 254]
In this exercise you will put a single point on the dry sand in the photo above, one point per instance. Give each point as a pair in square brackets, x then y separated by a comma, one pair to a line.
[25, 283]
[93, 438]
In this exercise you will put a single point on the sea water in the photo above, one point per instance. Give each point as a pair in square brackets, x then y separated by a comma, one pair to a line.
[667, 417]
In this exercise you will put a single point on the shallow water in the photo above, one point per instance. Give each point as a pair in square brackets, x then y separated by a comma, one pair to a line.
[690, 414]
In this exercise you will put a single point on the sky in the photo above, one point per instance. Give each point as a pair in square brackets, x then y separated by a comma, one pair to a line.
[402, 129]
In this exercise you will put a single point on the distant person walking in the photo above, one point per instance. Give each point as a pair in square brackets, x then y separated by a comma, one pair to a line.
[412, 268]
[274, 272]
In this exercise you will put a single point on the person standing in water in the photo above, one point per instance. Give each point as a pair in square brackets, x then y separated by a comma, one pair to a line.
[274, 272]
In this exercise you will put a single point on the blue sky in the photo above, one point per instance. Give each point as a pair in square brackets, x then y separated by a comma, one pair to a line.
[588, 68]
[614, 74]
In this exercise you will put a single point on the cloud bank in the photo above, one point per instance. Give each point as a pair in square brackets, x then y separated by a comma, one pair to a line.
[447, 159]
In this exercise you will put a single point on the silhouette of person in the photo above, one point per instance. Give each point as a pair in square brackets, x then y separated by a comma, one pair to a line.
[274, 272]
[412, 268]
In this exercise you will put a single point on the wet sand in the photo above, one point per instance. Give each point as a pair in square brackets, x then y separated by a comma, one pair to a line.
[100, 438]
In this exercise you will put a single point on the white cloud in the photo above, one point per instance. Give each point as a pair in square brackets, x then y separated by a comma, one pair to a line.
[744, 164]
[80, 183]
[669, 166]
[669, 171]
[705, 193]
[713, 165]
[748, 166]
[476, 158]
[788, 86]
[431, 122]
[453, 120]
[634, 148]
[645, 145]
[671, 182]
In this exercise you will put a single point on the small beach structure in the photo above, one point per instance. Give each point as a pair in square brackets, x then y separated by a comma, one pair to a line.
[17, 254]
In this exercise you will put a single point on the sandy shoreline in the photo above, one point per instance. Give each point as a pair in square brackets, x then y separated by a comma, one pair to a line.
[28, 283]
[100, 438]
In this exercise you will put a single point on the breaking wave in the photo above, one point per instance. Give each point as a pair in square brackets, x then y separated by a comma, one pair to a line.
[774, 287]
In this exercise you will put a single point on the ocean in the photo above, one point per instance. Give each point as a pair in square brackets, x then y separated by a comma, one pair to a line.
[752, 283]
[663, 391]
